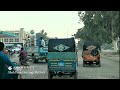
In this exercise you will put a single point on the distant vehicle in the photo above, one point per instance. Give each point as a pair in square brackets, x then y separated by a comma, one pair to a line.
[9, 45]
[91, 53]
[16, 49]
[19, 46]
[42, 54]
[38, 55]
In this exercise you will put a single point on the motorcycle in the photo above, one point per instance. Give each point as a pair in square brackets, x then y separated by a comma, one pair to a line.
[22, 61]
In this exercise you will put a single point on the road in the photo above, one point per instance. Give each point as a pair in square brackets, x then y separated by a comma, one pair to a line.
[109, 70]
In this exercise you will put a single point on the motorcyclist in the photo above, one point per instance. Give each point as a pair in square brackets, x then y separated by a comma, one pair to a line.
[23, 57]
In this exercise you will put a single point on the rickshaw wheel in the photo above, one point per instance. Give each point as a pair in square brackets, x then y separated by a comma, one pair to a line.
[35, 61]
[83, 63]
[50, 75]
[46, 59]
[75, 75]
[99, 64]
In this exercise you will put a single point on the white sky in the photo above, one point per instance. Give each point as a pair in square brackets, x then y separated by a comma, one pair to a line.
[59, 24]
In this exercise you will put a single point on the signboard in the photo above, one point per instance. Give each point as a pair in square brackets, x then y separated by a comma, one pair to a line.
[8, 33]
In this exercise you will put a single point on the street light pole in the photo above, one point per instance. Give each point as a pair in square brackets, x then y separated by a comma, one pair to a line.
[119, 30]
[119, 35]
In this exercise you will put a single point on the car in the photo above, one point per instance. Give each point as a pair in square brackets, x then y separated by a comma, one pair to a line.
[91, 53]
[16, 49]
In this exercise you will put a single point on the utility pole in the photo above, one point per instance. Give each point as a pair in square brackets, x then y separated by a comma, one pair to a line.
[118, 43]
[119, 35]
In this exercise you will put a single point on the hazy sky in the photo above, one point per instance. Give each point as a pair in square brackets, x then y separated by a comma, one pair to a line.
[59, 24]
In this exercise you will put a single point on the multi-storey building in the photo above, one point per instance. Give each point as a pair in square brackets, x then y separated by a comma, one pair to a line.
[13, 37]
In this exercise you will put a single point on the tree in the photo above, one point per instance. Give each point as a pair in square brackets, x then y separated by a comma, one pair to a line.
[102, 26]
[43, 34]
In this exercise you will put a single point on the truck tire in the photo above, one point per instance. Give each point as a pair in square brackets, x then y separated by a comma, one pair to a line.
[35, 61]
[83, 63]
[50, 75]
[75, 75]
[46, 59]
[99, 64]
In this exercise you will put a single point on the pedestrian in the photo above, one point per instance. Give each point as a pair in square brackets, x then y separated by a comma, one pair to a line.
[42, 42]
[41, 45]
[14, 53]
[9, 52]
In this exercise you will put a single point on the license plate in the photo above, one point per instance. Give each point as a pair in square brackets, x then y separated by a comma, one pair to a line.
[61, 64]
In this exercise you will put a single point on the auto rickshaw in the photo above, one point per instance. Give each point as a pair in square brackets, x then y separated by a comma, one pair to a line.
[91, 53]
[62, 58]
[40, 55]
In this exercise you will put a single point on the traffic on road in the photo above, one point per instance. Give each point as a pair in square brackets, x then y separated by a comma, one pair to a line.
[92, 52]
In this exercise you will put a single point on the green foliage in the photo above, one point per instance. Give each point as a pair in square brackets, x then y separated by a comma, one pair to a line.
[107, 46]
[102, 26]
[42, 34]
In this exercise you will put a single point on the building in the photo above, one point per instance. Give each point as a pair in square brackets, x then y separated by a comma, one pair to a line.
[13, 37]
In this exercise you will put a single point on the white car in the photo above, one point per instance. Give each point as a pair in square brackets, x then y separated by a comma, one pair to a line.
[15, 49]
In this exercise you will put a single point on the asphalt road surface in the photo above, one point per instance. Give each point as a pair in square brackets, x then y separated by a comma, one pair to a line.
[109, 69]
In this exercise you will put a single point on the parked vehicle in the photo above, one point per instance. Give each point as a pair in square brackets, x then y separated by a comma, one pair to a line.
[62, 58]
[91, 53]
